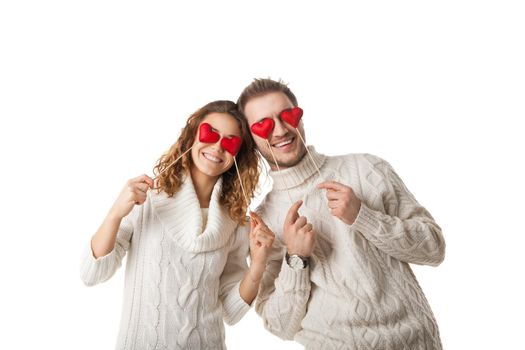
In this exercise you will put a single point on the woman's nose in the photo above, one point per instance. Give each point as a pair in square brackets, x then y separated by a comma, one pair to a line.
[217, 146]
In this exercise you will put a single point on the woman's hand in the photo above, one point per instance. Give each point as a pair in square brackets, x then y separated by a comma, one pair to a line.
[261, 241]
[103, 241]
[134, 192]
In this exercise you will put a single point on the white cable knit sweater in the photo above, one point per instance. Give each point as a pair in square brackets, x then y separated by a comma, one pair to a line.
[180, 282]
[360, 292]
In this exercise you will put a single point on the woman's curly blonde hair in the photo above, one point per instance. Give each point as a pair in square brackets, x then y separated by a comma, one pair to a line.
[231, 197]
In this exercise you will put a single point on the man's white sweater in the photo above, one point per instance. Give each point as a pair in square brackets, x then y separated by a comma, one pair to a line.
[180, 281]
[359, 292]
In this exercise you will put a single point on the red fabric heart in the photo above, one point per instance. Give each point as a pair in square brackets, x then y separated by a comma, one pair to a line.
[207, 135]
[232, 144]
[292, 116]
[263, 128]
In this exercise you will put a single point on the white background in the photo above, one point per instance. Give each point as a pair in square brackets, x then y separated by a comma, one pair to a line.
[93, 92]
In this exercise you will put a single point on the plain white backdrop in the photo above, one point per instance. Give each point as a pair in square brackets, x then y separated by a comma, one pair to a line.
[92, 93]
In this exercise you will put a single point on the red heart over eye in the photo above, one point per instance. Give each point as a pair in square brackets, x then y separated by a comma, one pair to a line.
[207, 135]
[232, 144]
[292, 116]
[263, 128]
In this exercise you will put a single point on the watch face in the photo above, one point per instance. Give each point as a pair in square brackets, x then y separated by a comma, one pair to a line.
[296, 262]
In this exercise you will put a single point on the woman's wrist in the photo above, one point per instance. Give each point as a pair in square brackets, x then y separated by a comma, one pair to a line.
[256, 272]
[113, 216]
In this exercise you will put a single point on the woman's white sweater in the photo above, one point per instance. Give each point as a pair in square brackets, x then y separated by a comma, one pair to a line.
[181, 282]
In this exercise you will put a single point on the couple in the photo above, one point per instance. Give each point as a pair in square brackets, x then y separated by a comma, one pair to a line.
[329, 246]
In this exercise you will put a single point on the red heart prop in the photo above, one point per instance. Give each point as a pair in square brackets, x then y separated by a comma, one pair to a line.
[232, 144]
[263, 128]
[292, 116]
[207, 135]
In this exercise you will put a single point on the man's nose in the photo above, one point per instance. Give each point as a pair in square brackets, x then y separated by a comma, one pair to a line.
[279, 129]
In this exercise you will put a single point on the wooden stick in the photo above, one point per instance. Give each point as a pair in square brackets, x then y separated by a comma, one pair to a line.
[279, 170]
[175, 161]
[307, 150]
[240, 180]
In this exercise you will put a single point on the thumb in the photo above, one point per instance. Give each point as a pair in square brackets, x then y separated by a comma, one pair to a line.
[252, 227]
[292, 212]
[257, 218]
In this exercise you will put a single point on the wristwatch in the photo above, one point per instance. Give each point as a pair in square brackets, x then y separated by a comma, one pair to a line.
[297, 262]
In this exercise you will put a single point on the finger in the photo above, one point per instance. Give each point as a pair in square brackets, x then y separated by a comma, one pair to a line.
[253, 229]
[332, 185]
[255, 217]
[260, 222]
[264, 240]
[300, 222]
[143, 179]
[333, 204]
[149, 181]
[306, 228]
[266, 232]
[292, 212]
[139, 178]
[139, 201]
[143, 187]
[259, 219]
[138, 196]
[331, 195]
[335, 212]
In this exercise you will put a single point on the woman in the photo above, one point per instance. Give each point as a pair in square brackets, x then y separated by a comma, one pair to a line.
[187, 239]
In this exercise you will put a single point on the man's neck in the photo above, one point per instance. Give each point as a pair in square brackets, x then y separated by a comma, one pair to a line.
[295, 175]
[273, 166]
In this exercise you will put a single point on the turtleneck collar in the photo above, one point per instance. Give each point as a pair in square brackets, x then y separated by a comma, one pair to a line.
[181, 217]
[298, 174]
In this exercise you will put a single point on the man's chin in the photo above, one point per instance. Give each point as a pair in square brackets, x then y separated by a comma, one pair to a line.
[290, 159]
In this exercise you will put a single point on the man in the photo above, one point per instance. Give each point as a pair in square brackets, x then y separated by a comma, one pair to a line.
[339, 275]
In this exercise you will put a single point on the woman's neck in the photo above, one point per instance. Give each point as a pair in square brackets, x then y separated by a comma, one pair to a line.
[203, 186]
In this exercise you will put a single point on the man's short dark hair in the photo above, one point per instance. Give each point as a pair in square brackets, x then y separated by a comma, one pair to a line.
[261, 87]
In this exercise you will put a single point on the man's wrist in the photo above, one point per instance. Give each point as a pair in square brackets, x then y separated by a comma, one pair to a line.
[296, 261]
[297, 252]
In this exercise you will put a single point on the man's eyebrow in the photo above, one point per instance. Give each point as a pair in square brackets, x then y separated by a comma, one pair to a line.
[278, 115]
[286, 109]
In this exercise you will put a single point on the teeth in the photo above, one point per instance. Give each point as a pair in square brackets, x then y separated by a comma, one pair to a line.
[212, 158]
[284, 143]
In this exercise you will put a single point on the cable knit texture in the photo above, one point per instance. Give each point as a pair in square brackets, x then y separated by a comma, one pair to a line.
[181, 282]
[359, 292]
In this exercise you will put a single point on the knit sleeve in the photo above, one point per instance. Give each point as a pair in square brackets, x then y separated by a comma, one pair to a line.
[97, 270]
[283, 295]
[233, 305]
[406, 230]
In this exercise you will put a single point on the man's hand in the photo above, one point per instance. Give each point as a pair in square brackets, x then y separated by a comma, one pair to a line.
[342, 201]
[298, 234]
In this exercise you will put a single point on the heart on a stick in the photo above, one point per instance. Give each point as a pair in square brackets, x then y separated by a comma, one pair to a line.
[263, 128]
[292, 116]
[207, 135]
[231, 145]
